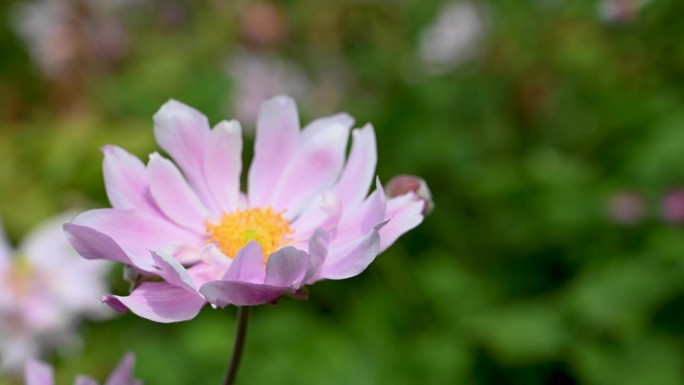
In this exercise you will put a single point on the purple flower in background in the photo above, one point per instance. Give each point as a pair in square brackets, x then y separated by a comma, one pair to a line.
[454, 37]
[39, 373]
[305, 216]
[45, 288]
[626, 208]
[673, 207]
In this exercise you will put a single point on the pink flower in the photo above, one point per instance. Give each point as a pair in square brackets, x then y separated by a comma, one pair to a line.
[45, 288]
[672, 207]
[305, 216]
[626, 208]
[39, 373]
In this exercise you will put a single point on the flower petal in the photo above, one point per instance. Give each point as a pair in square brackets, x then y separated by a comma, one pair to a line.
[318, 251]
[223, 164]
[404, 213]
[135, 233]
[92, 244]
[322, 213]
[359, 171]
[315, 167]
[311, 129]
[277, 140]
[286, 267]
[173, 195]
[159, 302]
[351, 259]
[223, 293]
[211, 255]
[38, 373]
[126, 180]
[248, 265]
[356, 222]
[123, 374]
[183, 132]
[172, 271]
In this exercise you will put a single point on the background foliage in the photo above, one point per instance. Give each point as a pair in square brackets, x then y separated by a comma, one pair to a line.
[521, 276]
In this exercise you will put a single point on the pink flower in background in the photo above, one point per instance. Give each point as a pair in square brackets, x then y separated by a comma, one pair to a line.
[454, 37]
[626, 208]
[64, 35]
[620, 11]
[263, 23]
[45, 288]
[673, 207]
[39, 373]
[306, 215]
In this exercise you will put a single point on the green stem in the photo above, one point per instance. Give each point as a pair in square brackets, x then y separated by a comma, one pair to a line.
[238, 346]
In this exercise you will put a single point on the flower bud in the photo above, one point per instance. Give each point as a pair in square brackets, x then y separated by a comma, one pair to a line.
[403, 184]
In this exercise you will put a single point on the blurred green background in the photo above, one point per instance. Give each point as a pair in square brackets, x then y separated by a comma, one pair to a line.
[550, 132]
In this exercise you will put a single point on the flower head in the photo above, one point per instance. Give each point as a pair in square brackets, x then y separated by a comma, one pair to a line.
[305, 216]
[39, 373]
[45, 288]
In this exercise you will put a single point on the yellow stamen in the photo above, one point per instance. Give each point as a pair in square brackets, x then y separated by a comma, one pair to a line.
[236, 229]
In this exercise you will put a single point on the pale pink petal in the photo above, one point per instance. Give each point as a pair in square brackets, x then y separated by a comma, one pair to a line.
[172, 271]
[92, 244]
[277, 140]
[287, 267]
[312, 129]
[322, 213]
[248, 265]
[38, 373]
[351, 259]
[355, 223]
[318, 251]
[202, 273]
[173, 195]
[359, 170]
[46, 245]
[159, 302]
[123, 374]
[126, 180]
[213, 256]
[136, 233]
[183, 132]
[223, 164]
[15, 351]
[314, 168]
[404, 213]
[185, 254]
[223, 293]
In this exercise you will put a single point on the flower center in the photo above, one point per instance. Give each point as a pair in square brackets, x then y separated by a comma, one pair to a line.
[234, 230]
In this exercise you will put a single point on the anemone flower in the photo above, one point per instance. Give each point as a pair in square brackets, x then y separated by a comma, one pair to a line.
[45, 289]
[39, 373]
[306, 215]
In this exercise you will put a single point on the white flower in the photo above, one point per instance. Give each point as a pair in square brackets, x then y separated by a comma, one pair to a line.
[45, 288]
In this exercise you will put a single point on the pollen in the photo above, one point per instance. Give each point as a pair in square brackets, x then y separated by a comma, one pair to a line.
[234, 230]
